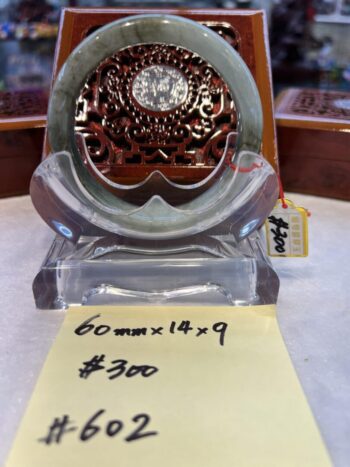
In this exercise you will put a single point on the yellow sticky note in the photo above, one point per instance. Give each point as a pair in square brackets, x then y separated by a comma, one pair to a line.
[168, 386]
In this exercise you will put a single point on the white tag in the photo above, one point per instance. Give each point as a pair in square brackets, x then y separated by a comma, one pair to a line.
[287, 231]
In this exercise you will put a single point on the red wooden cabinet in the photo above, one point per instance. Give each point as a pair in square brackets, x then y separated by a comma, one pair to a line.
[22, 126]
[313, 129]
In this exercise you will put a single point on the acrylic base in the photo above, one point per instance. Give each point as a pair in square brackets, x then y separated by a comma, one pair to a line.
[114, 270]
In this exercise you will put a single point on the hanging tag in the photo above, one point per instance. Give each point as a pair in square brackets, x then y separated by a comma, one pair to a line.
[286, 230]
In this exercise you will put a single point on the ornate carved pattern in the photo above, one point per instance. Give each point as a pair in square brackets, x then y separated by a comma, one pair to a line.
[120, 133]
[321, 104]
[227, 32]
[22, 103]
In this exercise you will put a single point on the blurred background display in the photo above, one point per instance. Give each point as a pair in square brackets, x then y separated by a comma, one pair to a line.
[309, 39]
[310, 43]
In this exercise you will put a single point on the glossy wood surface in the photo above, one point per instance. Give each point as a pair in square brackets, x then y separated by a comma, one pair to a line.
[19, 156]
[314, 147]
[22, 122]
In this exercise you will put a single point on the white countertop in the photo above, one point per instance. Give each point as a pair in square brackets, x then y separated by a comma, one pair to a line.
[313, 312]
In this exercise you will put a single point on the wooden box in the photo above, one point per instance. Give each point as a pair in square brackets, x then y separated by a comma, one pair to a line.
[313, 133]
[245, 30]
[22, 126]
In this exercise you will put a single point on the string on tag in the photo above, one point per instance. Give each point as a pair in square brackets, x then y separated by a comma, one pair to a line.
[282, 198]
[284, 204]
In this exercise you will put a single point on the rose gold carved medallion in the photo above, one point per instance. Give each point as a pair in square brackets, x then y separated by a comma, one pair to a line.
[155, 107]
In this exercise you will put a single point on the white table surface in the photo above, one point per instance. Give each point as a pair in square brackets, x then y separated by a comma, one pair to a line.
[313, 313]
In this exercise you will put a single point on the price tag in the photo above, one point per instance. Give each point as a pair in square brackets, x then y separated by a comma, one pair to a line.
[168, 386]
[287, 230]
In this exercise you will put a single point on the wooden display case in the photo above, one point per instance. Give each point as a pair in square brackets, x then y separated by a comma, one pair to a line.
[22, 126]
[245, 30]
[313, 129]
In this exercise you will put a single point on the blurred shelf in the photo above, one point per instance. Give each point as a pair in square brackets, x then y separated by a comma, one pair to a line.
[27, 31]
[335, 18]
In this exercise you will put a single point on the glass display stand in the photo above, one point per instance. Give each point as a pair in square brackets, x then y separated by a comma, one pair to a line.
[225, 265]
[113, 270]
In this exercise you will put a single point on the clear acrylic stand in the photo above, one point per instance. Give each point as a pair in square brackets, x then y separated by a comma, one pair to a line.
[112, 270]
[222, 264]
[89, 263]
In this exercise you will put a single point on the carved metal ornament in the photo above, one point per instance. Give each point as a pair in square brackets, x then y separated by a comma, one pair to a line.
[155, 107]
[159, 88]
